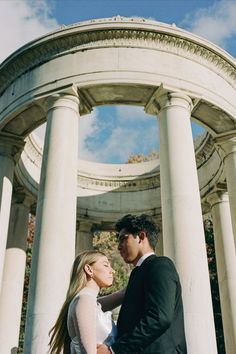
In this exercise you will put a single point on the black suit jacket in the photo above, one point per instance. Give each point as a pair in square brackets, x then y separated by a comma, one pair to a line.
[151, 317]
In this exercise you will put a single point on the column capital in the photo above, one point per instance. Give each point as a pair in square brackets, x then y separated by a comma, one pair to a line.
[67, 98]
[218, 196]
[163, 99]
[84, 225]
[71, 92]
[174, 99]
[21, 196]
[226, 145]
[11, 146]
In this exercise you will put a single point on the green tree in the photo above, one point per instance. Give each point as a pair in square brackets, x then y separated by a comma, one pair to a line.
[209, 236]
[107, 243]
[137, 158]
[30, 237]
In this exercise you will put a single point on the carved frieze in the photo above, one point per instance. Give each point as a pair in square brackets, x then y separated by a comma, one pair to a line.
[123, 185]
[75, 38]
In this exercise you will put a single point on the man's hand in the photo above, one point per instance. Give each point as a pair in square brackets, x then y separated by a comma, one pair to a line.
[103, 349]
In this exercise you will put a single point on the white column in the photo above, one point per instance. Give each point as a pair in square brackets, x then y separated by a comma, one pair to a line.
[226, 264]
[84, 236]
[183, 233]
[10, 148]
[227, 149]
[13, 274]
[54, 241]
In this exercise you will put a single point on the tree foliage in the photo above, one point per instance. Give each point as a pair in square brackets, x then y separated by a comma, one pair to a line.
[209, 236]
[30, 237]
[137, 158]
[107, 243]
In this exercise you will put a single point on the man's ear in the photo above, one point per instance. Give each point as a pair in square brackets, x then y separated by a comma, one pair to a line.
[142, 235]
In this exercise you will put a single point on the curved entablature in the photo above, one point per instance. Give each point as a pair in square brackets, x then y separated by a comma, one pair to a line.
[124, 31]
[111, 181]
[118, 61]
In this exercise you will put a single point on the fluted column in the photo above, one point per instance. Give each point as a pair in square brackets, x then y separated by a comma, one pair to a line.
[227, 148]
[183, 233]
[10, 149]
[226, 264]
[54, 241]
[84, 236]
[13, 273]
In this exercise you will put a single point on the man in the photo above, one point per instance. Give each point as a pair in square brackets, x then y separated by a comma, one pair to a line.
[151, 317]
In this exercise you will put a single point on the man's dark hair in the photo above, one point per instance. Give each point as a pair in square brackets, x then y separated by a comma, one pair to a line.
[137, 223]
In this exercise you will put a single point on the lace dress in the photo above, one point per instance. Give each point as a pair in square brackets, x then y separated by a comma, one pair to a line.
[87, 324]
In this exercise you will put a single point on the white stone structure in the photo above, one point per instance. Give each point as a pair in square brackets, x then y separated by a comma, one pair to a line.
[174, 75]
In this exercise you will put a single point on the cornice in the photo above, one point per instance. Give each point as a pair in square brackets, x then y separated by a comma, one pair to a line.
[116, 33]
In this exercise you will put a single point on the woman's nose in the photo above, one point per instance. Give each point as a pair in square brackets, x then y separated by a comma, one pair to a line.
[111, 270]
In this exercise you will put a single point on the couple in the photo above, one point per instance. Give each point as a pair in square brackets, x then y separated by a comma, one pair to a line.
[151, 315]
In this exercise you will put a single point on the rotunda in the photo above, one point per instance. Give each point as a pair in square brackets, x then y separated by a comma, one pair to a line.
[175, 76]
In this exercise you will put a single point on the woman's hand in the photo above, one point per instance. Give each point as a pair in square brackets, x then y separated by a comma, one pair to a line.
[103, 349]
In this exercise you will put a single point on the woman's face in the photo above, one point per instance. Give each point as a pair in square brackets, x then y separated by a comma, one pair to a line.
[102, 272]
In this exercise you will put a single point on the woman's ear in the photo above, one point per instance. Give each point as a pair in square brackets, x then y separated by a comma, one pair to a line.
[88, 270]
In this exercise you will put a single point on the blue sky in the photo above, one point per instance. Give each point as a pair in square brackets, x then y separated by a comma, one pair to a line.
[111, 134]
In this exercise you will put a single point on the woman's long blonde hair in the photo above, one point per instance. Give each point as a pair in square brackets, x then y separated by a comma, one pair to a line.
[78, 280]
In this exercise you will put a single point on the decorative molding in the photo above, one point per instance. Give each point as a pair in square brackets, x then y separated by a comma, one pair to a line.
[22, 196]
[205, 150]
[226, 145]
[33, 151]
[128, 185]
[11, 146]
[151, 34]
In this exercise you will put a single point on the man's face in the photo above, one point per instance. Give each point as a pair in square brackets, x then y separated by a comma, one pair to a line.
[129, 246]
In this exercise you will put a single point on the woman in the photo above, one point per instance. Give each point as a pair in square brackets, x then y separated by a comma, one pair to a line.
[82, 324]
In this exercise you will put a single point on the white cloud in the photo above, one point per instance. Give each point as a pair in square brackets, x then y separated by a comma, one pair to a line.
[40, 132]
[133, 132]
[119, 146]
[216, 23]
[88, 127]
[22, 21]
[131, 113]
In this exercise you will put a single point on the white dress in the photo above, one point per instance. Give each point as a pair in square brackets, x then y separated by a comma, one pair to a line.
[87, 324]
